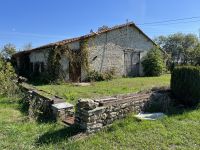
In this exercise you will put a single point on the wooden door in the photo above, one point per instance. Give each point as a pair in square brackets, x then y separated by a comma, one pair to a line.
[132, 63]
[75, 69]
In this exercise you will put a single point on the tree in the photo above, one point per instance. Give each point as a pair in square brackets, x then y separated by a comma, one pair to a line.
[180, 46]
[153, 64]
[7, 76]
[7, 51]
[196, 55]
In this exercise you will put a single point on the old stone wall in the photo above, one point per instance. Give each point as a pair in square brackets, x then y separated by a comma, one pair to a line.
[93, 115]
[106, 50]
[39, 56]
[42, 105]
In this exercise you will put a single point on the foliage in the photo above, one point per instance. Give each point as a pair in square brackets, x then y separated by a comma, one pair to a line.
[196, 55]
[84, 54]
[185, 84]
[75, 58]
[181, 47]
[70, 96]
[97, 76]
[7, 51]
[153, 63]
[7, 76]
[53, 64]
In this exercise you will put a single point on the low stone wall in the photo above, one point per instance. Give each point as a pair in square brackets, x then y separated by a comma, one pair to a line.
[43, 105]
[94, 114]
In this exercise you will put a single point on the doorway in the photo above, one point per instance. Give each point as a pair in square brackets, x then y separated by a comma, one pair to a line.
[75, 69]
[132, 63]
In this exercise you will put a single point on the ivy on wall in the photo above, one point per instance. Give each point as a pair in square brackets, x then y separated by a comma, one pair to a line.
[84, 54]
[75, 57]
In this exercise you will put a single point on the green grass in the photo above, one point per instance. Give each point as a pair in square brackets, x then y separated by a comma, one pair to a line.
[106, 88]
[178, 131]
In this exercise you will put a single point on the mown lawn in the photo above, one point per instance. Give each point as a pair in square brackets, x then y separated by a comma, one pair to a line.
[106, 88]
[178, 131]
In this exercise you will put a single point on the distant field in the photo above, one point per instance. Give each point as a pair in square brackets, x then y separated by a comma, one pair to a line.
[178, 131]
[105, 88]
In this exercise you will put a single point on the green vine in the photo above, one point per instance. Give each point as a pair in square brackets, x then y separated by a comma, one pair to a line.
[84, 54]
[75, 57]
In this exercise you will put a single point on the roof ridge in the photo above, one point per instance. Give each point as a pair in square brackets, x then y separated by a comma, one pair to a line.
[69, 40]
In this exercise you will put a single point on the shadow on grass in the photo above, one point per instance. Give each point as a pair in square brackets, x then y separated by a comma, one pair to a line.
[179, 110]
[58, 135]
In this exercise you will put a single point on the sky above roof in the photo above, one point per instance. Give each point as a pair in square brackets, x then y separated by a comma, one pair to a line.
[44, 21]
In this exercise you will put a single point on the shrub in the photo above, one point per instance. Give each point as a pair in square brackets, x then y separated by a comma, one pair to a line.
[97, 76]
[7, 77]
[185, 84]
[153, 64]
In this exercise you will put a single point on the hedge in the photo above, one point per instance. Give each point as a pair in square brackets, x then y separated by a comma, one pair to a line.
[185, 84]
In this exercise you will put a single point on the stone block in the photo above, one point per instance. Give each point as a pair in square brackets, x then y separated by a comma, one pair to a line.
[87, 104]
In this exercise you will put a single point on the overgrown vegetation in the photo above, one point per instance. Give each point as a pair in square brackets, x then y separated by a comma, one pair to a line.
[75, 57]
[153, 63]
[97, 76]
[185, 84]
[8, 86]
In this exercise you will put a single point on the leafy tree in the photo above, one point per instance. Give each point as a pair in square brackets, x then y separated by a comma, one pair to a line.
[7, 51]
[180, 46]
[189, 45]
[7, 76]
[196, 55]
[153, 64]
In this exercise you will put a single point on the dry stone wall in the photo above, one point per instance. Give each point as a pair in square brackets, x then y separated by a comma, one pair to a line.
[42, 105]
[93, 115]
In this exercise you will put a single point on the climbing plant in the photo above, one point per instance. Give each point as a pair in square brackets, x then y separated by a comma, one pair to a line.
[84, 54]
[75, 57]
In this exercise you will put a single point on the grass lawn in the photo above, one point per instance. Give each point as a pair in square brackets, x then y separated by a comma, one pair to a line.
[178, 131]
[105, 88]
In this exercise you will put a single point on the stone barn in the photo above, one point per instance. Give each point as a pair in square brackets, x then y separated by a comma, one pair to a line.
[121, 47]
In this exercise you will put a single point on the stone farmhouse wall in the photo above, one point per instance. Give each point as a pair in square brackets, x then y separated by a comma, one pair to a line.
[108, 48]
[106, 51]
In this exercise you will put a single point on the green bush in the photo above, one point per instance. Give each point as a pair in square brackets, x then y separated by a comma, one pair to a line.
[153, 63]
[7, 77]
[97, 76]
[185, 84]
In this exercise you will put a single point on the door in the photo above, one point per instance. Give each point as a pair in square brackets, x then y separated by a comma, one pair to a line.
[74, 72]
[132, 63]
[75, 69]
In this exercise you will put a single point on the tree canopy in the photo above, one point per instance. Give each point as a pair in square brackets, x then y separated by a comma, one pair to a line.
[183, 48]
[7, 51]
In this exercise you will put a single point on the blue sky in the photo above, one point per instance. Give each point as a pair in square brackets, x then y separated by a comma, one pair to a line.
[43, 21]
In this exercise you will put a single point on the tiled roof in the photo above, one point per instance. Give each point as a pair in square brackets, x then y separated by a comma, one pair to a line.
[66, 41]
